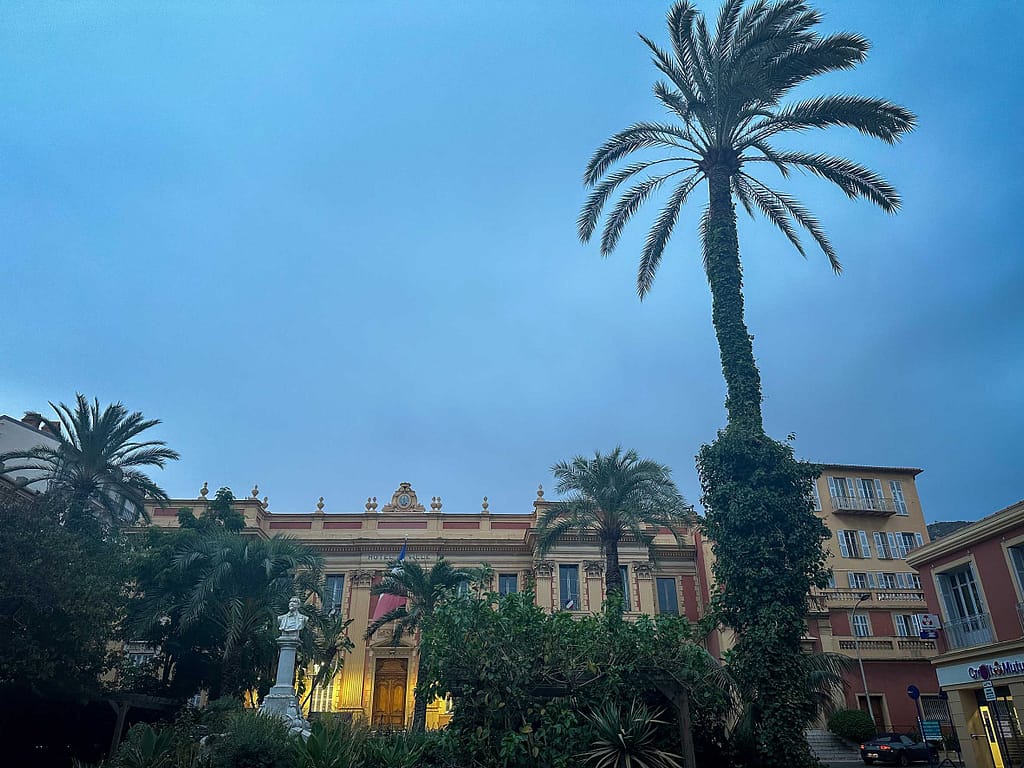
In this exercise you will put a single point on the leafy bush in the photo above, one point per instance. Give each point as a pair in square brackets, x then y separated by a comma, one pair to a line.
[146, 747]
[333, 743]
[252, 741]
[852, 725]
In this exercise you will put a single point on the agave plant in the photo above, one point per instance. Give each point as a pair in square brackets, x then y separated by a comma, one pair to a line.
[628, 739]
[331, 744]
[147, 747]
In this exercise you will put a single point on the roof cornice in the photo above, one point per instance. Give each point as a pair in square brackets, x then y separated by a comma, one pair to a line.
[986, 528]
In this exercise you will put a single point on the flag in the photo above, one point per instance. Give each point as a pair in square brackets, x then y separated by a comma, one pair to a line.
[387, 603]
[570, 604]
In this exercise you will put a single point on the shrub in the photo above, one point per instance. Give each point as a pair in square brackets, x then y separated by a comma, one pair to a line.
[252, 741]
[146, 747]
[333, 743]
[852, 725]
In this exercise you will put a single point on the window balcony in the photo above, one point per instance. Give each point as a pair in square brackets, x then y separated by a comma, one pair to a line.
[885, 598]
[965, 633]
[855, 505]
[887, 648]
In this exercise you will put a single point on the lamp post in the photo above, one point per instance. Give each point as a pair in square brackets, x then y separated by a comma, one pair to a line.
[860, 661]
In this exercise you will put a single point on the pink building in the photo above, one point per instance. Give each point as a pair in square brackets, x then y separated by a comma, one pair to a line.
[974, 580]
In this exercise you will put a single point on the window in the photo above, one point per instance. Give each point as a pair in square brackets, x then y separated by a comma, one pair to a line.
[854, 544]
[882, 545]
[906, 541]
[668, 600]
[624, 569]
[817, 498]
[508, 583]
[334, 588]
[967, 623]
[569, 587]
[860, 580]
[841, 487]
[323, 697]
[897, 497]
[868, 488]
[890, 581]
[907, 624]
[462, 588]
[831, 580]
[1017, 558]
[861, 626]
[913, 581]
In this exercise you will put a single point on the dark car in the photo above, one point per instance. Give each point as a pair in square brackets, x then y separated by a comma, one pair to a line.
[895, 749]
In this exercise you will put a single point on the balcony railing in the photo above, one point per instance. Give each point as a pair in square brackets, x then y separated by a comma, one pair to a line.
[856, 505]
[889, 596]
[974, 630]
[887, 647]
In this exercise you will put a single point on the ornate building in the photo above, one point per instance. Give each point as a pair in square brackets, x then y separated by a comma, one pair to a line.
[378, 678]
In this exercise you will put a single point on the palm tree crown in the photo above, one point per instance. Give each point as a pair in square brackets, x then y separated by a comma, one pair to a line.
[97, 460]
[724, 95]
[612, 496]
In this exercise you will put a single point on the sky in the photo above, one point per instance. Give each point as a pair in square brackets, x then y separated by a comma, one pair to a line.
[332, 247]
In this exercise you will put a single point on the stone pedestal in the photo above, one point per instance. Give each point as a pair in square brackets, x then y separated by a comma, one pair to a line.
[281, 701]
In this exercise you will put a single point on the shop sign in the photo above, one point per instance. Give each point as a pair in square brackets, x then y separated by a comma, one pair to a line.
[972, 672]
[998, 668]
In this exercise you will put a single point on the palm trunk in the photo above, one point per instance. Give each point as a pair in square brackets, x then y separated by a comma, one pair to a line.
[612, 572]
[419, 706]
[725, 278]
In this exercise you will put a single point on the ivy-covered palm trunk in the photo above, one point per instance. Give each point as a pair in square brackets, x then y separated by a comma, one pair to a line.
[613, 572]
[759, 513]
[419, 700]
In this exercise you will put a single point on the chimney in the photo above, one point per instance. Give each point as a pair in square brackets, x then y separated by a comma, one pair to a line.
[39, 423]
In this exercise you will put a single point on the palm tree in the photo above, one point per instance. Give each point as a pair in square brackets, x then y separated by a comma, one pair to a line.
[724, 96]
[613, 496]
[237, 584]
[423, 591]
[96, 461]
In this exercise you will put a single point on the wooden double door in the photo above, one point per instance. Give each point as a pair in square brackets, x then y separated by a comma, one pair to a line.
[390, 683]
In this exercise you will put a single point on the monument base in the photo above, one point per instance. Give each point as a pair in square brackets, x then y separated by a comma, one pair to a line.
[282, 703]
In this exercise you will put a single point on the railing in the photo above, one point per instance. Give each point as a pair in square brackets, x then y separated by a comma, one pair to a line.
[974, 630]
[877, 595]
[860, 505]
[888, 647]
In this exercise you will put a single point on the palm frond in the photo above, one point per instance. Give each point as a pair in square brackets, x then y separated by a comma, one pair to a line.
[659, 234]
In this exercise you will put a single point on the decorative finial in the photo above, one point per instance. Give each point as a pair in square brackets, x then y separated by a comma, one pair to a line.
[255, 490]
[266, 502]
[540, 491]
[435, 503]
[374, 503]
[371, 503]
[203, 491]
[485, 506]
[320, 505]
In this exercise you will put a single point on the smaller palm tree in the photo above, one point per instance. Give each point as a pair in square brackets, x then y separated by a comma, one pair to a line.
[628, 739]
[325, 646]
[423, 591]
[96, 462]
[613, 496]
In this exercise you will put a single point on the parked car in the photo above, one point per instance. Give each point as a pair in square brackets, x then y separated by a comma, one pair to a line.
[896, 749]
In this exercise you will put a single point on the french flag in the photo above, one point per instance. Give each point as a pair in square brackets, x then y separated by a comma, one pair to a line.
[387, 603]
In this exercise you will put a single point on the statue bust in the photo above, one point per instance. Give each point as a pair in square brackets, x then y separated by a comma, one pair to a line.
[293, 621]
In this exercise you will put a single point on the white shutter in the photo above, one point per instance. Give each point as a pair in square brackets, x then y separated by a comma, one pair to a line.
[894, 549]
[901, 579]
[832, 488]
[849, 487]
[919, 539]
[901, 625]
[871, 580]
[879, 545]
[843, 549]
[881, 580]
[851, 579]
[858, 486]
[817, 498]
[878, 489]
[864, 544]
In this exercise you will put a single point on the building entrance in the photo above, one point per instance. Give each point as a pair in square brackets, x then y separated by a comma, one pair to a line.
[390, 682]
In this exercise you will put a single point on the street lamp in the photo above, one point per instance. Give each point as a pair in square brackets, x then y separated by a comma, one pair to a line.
[860, 661]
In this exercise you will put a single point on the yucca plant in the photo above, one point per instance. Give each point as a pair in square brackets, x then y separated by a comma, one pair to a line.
[331, 744]
[146, 747]
[628, 739]
[394, 750]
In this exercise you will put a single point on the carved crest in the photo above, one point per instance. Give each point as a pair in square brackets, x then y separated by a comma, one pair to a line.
[404, 500]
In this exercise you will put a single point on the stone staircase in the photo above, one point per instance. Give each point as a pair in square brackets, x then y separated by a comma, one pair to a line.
[830, 749]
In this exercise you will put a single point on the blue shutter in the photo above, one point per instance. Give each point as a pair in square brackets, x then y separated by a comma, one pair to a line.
[843, 549]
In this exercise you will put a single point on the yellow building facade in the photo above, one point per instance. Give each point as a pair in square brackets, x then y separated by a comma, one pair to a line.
[378, 679]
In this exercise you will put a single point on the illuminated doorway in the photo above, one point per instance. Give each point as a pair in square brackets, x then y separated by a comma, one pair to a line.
[390, 682]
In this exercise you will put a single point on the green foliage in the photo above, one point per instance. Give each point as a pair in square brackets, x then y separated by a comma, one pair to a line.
[207, 596]
[623, 739]
[146, 747]
[768, 553]
[332, 744]
[55, 622]
[253, 741]
[613, 495]
[394, 750]
[520, 677]
[95, 465]
[852, 725]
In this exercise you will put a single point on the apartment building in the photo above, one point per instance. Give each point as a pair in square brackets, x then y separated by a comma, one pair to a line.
[872, 608]
[974, 580]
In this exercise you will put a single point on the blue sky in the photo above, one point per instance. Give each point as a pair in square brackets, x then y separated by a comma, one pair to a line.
[332, 247]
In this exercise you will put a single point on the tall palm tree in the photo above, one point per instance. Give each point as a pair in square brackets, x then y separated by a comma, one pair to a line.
[423, 592]
[613, 496]
[724, 97]
[97, 460]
